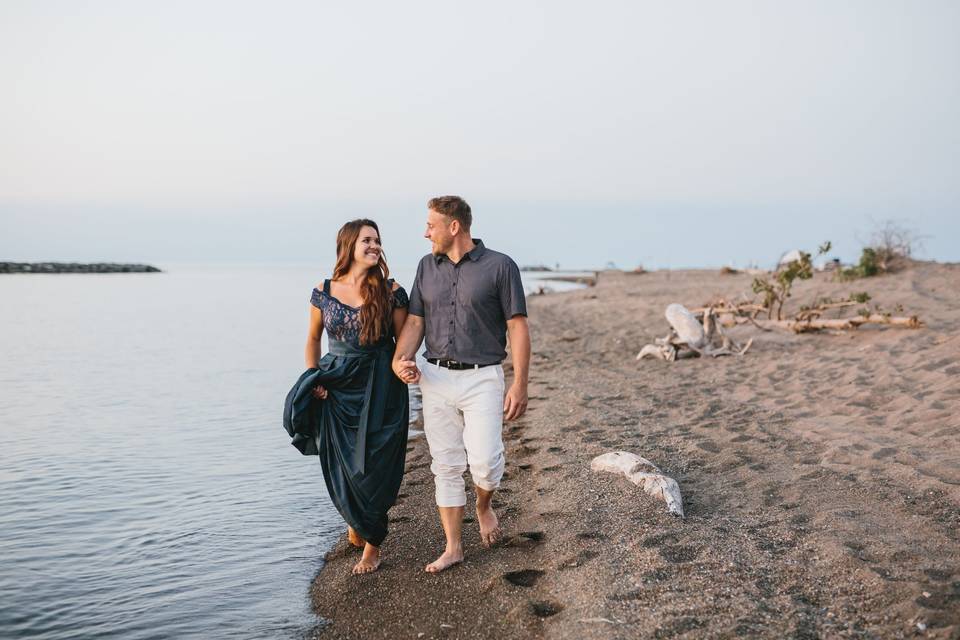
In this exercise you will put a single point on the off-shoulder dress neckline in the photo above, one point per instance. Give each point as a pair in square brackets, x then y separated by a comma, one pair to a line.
[337, 300]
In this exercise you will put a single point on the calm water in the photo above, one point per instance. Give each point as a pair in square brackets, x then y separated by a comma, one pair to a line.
[147, 488]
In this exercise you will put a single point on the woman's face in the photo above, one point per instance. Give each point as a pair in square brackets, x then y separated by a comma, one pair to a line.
[367, 249]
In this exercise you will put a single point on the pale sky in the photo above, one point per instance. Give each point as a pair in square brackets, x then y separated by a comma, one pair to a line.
[672, 134]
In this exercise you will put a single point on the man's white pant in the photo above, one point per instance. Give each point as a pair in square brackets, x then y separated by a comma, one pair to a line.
[463, 422]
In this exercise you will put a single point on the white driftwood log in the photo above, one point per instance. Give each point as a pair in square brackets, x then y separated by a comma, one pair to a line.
[644, 474]
[840, 324]
[806, 320]
[687, 332]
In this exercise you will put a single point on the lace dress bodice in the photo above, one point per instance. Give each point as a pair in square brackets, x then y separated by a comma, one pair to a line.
[341, 321]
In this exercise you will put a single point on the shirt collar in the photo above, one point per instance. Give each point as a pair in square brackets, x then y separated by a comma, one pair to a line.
[474, 254]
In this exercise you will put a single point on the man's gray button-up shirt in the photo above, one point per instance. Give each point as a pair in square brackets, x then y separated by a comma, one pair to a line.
[465, 306]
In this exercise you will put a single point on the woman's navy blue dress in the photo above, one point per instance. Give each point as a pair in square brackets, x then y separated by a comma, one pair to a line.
[360, 429]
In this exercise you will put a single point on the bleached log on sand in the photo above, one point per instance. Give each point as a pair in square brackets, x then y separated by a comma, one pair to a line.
[843, 324]
[644, 474]
[689, 330]
[657, 351]
[806, 321]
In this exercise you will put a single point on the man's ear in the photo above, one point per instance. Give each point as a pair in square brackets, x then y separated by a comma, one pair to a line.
[454, 227]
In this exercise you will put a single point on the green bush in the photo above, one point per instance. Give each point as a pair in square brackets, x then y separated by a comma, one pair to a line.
[777, 291]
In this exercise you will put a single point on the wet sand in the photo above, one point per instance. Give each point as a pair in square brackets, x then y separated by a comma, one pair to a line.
[820, 475]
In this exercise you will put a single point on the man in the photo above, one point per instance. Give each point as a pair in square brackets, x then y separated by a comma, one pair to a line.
[465, 298]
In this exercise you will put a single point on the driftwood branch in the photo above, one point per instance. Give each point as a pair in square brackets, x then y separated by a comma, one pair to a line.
[644, 474]
[806, 320]
[842, 324]
[686, 332]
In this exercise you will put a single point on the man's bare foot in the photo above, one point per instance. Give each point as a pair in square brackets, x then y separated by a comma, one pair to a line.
[355, 538]
[490, 531]
[449, 558]
[370, 561]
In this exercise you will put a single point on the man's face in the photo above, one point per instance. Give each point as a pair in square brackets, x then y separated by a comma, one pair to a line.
[438, 232]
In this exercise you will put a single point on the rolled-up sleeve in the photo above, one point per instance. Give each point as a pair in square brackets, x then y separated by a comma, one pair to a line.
[416, 302]
[513, 300]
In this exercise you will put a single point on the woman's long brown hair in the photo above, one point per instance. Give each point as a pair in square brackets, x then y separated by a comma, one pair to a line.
[375, 314]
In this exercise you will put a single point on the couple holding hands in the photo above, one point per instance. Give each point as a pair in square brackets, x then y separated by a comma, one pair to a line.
[351, 405]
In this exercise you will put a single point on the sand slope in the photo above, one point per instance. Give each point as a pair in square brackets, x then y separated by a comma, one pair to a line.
[821, 480]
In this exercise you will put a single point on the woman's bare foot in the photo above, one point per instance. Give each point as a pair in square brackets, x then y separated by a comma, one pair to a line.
[370, 561]
[355, 538]
[490, 531]
[450, 557]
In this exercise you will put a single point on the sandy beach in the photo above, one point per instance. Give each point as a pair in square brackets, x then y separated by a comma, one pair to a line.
[820, 475]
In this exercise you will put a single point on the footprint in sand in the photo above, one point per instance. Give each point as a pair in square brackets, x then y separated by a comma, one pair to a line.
[939, 575]
[940, 599]
[523, 451]
[545, 609]
[658, 540]
[859, 551]
[679, 554]
[885, 452]
[537, 536]
[678, 626]
[885, 573]
[523, 577]
[555, 515]
[657, 575]
[578, 560]
[626, 596]
[765, 586]
[591, 535]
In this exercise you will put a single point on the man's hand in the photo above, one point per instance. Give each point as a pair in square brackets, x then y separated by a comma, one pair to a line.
[406, 370]
[515, 402]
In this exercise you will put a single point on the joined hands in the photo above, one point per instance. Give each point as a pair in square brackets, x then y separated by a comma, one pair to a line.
[406, 370]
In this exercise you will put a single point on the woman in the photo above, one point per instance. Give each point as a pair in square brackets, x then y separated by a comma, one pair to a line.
[348, 407]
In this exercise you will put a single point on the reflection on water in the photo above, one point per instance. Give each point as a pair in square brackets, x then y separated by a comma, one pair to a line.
[147, 488]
